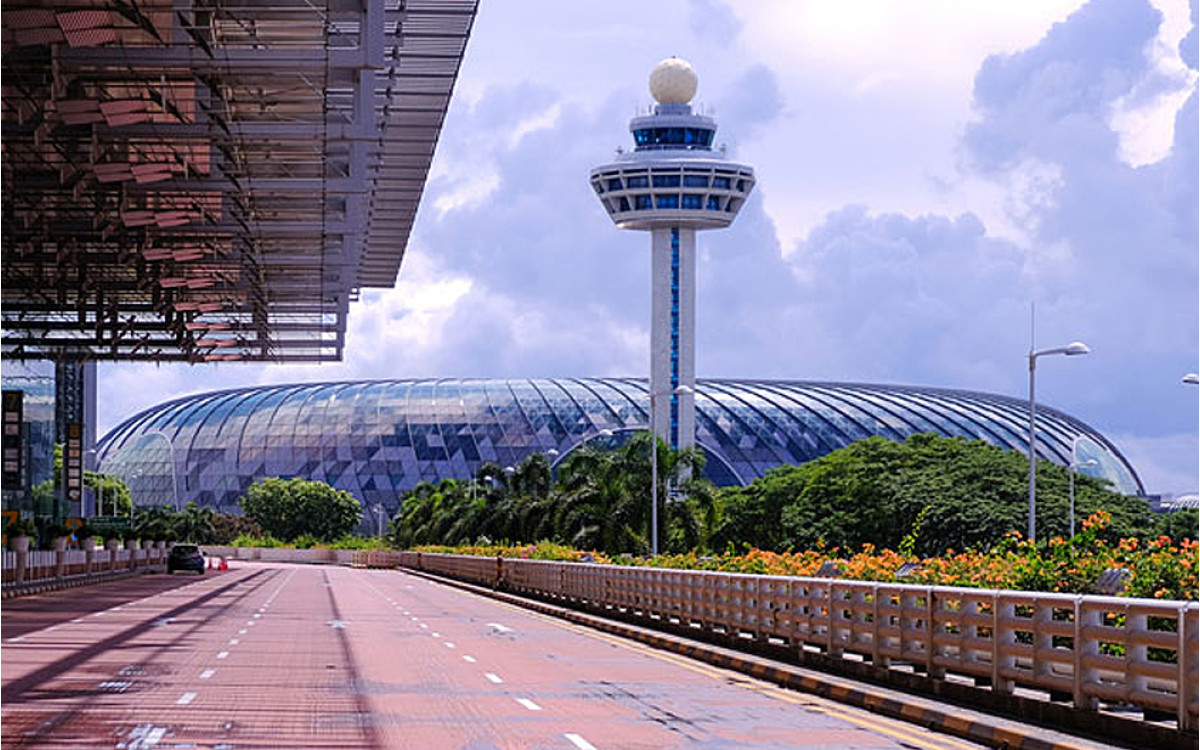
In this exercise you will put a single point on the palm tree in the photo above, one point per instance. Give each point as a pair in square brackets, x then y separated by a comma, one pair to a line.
[194, 524]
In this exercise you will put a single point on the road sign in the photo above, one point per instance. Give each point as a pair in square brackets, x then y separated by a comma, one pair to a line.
[73, 463]
[13, 439]
[110, 523]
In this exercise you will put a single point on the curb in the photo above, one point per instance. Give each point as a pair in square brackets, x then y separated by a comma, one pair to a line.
[968, 724]
[14, 591]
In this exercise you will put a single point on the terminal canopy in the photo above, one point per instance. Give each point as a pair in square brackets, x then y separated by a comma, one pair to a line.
[211, 180]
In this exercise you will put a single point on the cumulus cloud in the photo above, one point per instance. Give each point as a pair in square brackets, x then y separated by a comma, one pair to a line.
[515, 270]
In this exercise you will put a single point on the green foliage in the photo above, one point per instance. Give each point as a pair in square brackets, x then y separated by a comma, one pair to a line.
[1180, 524]
[86, 531]
[194, 524]
[601, 501]
[227, 527]
[290, 508]
[266, 540]
[20, 527]
[55, 530]
[965, 493]
[112, 496]
[908, 544]
[350, 541]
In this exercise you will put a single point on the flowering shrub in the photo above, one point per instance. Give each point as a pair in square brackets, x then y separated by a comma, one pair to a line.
[541, 551]
[1158, 568]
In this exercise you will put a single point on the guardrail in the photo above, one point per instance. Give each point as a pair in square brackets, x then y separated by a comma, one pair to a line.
[1138, 652]
[41, 566]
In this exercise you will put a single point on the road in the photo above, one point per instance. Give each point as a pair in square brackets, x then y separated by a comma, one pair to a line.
[285, 656]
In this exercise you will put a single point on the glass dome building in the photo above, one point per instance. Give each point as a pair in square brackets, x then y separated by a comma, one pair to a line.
[377, 439]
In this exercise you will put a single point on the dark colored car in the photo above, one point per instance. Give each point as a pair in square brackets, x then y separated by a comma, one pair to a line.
[185, 557]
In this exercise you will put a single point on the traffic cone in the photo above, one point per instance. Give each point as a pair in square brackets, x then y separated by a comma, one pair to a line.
[224, 565]
[210, 563]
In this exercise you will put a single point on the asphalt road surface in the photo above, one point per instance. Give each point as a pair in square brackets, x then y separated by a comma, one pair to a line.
[285, 656]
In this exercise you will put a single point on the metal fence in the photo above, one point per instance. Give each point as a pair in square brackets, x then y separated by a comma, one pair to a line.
[1138, 652]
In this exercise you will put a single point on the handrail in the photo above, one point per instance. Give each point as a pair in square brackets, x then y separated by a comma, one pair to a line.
[1139, 652]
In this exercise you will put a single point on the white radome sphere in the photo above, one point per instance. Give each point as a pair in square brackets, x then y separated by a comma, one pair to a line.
[673, 81]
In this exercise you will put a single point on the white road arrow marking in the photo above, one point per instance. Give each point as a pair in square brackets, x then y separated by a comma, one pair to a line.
[498, 627]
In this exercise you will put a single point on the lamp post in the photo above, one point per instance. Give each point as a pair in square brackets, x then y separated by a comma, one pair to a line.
[379, 518]
[1075, 466]
[1191, 379]
[1075, 348]
[682, 390]
[133, 476]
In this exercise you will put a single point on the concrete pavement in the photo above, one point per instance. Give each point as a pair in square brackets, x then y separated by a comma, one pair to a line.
[272, 655]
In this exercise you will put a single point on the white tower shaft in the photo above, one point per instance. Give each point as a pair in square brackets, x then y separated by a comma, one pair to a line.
[672, 334]
[672, 185]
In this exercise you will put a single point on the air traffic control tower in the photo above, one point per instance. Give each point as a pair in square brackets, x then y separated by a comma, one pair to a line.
[671, 185]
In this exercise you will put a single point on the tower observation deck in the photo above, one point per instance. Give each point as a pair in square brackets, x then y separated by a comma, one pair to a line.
[672, 184]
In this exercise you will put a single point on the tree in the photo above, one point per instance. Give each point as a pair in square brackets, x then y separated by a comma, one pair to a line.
[111, 493]
[288, 508]
[966, 493]
[194, 524]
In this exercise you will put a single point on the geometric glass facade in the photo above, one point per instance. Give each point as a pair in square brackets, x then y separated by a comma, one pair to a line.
[377, 439]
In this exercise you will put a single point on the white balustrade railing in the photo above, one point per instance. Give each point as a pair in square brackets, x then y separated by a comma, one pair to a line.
[38, 566]
[1137, 652]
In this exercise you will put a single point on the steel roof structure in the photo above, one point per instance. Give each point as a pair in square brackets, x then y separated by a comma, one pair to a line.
[213, 180]
[377, 439]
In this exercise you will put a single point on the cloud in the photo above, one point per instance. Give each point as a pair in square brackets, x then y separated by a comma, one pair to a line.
[901, 225]
[713, 20]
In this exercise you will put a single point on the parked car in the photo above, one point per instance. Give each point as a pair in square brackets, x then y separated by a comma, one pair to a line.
[185, 557]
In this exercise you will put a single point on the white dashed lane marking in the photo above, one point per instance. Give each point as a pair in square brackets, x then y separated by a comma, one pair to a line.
[579, 742]
[223, 655]
[529, 704]
[494, 678]
[469, 659]
[207, 673]
[185, 699]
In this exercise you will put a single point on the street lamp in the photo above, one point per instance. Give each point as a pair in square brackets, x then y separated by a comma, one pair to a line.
[1075, 466]
[1074, 349]
[379, 518]
[1191, 379]
[682, 390]
[133, 476]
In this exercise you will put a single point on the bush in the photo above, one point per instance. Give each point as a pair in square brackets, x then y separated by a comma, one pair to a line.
[305, 541]
[85, 531]
[21, 527]
[359, 542]
[56, 530]
[1159, 568]
[290, 508]
[227, 527]
[265, 540]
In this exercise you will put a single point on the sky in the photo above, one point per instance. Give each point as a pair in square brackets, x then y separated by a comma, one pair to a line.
[926, 171]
